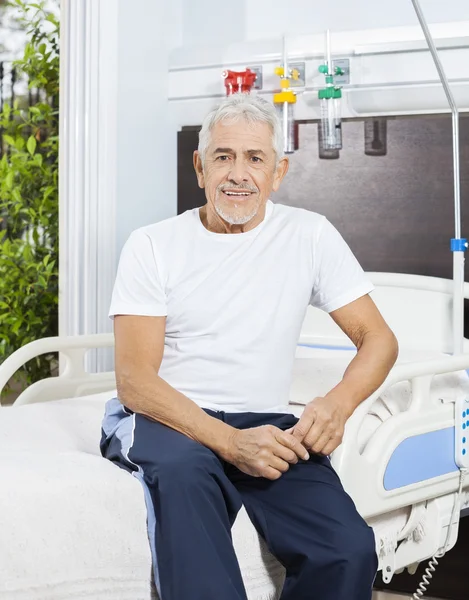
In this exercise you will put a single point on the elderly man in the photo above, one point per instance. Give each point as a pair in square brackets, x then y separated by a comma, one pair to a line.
[207, 309]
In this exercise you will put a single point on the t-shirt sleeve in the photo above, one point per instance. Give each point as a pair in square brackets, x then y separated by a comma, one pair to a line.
[138, 289]
[339, 278]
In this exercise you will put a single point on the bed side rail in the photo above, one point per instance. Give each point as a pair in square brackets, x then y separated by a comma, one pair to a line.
[73, 381]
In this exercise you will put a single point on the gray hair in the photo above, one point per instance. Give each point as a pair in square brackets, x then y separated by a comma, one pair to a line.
[243, 106]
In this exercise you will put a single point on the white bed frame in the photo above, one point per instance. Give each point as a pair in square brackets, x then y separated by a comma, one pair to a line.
[418, 309]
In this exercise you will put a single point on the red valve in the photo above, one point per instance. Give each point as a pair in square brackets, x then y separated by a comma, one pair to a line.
[239, 81]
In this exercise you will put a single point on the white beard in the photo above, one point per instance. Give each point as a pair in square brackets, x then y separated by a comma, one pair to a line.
[235, 219]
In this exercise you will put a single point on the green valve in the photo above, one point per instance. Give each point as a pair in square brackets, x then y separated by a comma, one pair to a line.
[329, 93]
[323, 69]
[329, 79]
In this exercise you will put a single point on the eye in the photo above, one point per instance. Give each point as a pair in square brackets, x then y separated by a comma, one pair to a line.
[256, 159]
[222, 157]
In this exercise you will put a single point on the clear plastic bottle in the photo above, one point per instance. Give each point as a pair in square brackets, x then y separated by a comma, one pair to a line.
[376, 137]
[331, 124]
[287, 117]
[326, 153]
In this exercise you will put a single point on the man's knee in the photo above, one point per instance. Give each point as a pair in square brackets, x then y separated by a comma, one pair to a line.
[357, 549]
[351, 550]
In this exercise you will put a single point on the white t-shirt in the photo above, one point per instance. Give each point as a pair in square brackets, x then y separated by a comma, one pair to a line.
[235, 303]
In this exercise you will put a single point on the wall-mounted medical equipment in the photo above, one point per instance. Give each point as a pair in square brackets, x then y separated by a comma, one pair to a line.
[376, 137]
[239, 81]
[323, 151]
[330, 98]
[285, 101]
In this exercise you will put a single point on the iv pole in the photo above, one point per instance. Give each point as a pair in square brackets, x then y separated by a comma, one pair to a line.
[458, 244]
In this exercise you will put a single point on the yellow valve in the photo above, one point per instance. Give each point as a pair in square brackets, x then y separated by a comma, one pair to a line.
[279, 71]
[285, 96]
[295, 74]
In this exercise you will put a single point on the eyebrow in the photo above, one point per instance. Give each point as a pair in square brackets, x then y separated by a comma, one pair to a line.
[256, 152]
[231, 151]
[223, 151]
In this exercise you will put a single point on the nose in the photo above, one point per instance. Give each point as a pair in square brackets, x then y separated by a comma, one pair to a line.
[238, 172]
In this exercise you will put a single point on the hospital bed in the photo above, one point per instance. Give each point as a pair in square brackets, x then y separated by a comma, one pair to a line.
[72, 525]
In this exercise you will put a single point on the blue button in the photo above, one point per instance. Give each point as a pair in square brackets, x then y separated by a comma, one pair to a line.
[463, 414]
[467, 423]
[464, 452]
[464, 440]
[464, 425]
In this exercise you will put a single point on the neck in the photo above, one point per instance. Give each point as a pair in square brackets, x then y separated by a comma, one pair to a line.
[212, 221]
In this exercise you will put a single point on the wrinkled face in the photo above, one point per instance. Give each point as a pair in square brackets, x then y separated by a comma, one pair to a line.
[240, 171]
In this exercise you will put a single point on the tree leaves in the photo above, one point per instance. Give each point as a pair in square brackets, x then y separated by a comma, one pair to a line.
[29, 201]
[31, 144]
[9, 179]
[9, 139]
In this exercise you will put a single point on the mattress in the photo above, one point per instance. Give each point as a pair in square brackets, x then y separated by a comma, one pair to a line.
[73, 525]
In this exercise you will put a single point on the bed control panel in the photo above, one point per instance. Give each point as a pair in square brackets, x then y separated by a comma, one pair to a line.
[462, 432]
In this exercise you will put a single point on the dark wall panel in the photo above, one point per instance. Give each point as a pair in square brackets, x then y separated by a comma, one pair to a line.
[395, 211]
[189, 193]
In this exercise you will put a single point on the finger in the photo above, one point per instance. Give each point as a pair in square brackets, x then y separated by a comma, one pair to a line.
[313, 435]
[291, 430]
[278, 464]
[321, 443]
[290, 441]
[331, 446]
[285, 453]
[304, 425]
[271, 473]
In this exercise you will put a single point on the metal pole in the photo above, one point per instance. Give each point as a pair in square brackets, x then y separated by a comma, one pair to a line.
[328, 52]
[285, 105]
[285, 57]
[458, 259]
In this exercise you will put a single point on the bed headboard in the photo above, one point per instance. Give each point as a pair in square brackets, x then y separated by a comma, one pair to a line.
[416, 307]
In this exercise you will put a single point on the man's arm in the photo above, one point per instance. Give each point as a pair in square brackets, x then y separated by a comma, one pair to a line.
[139, 352]
[377, 350]
[321, 427]
[263, 451]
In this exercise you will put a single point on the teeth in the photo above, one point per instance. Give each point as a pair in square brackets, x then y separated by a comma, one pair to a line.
[237, 193]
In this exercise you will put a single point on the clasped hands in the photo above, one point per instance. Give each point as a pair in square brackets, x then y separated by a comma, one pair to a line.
[268, 451]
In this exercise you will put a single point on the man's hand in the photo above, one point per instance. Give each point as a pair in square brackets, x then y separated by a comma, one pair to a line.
[265, 451]
[321, 426]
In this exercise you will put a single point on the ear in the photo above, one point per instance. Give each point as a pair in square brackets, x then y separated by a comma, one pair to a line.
[280, 171]
[199, 169]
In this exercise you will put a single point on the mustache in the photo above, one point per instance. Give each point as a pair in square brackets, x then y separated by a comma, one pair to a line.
[242, 187]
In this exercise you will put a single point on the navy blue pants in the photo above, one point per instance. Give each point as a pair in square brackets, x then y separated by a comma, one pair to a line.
[308, 521]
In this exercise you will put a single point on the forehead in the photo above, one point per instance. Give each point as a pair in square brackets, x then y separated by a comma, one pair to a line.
[241, 135]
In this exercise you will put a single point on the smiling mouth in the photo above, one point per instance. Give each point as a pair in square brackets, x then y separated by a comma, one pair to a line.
[237, 195]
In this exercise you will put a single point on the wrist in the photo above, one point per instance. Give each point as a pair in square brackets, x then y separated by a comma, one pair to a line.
[222, 439]
[347, 401]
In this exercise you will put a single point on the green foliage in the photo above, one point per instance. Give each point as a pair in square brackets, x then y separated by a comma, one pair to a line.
[29, 197]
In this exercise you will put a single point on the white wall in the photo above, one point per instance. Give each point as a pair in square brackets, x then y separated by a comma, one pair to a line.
[267, 18]
[146, 142]
[212, 21]
[209, 21]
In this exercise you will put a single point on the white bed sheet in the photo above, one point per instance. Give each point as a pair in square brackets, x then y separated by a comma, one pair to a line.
[57, 493]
